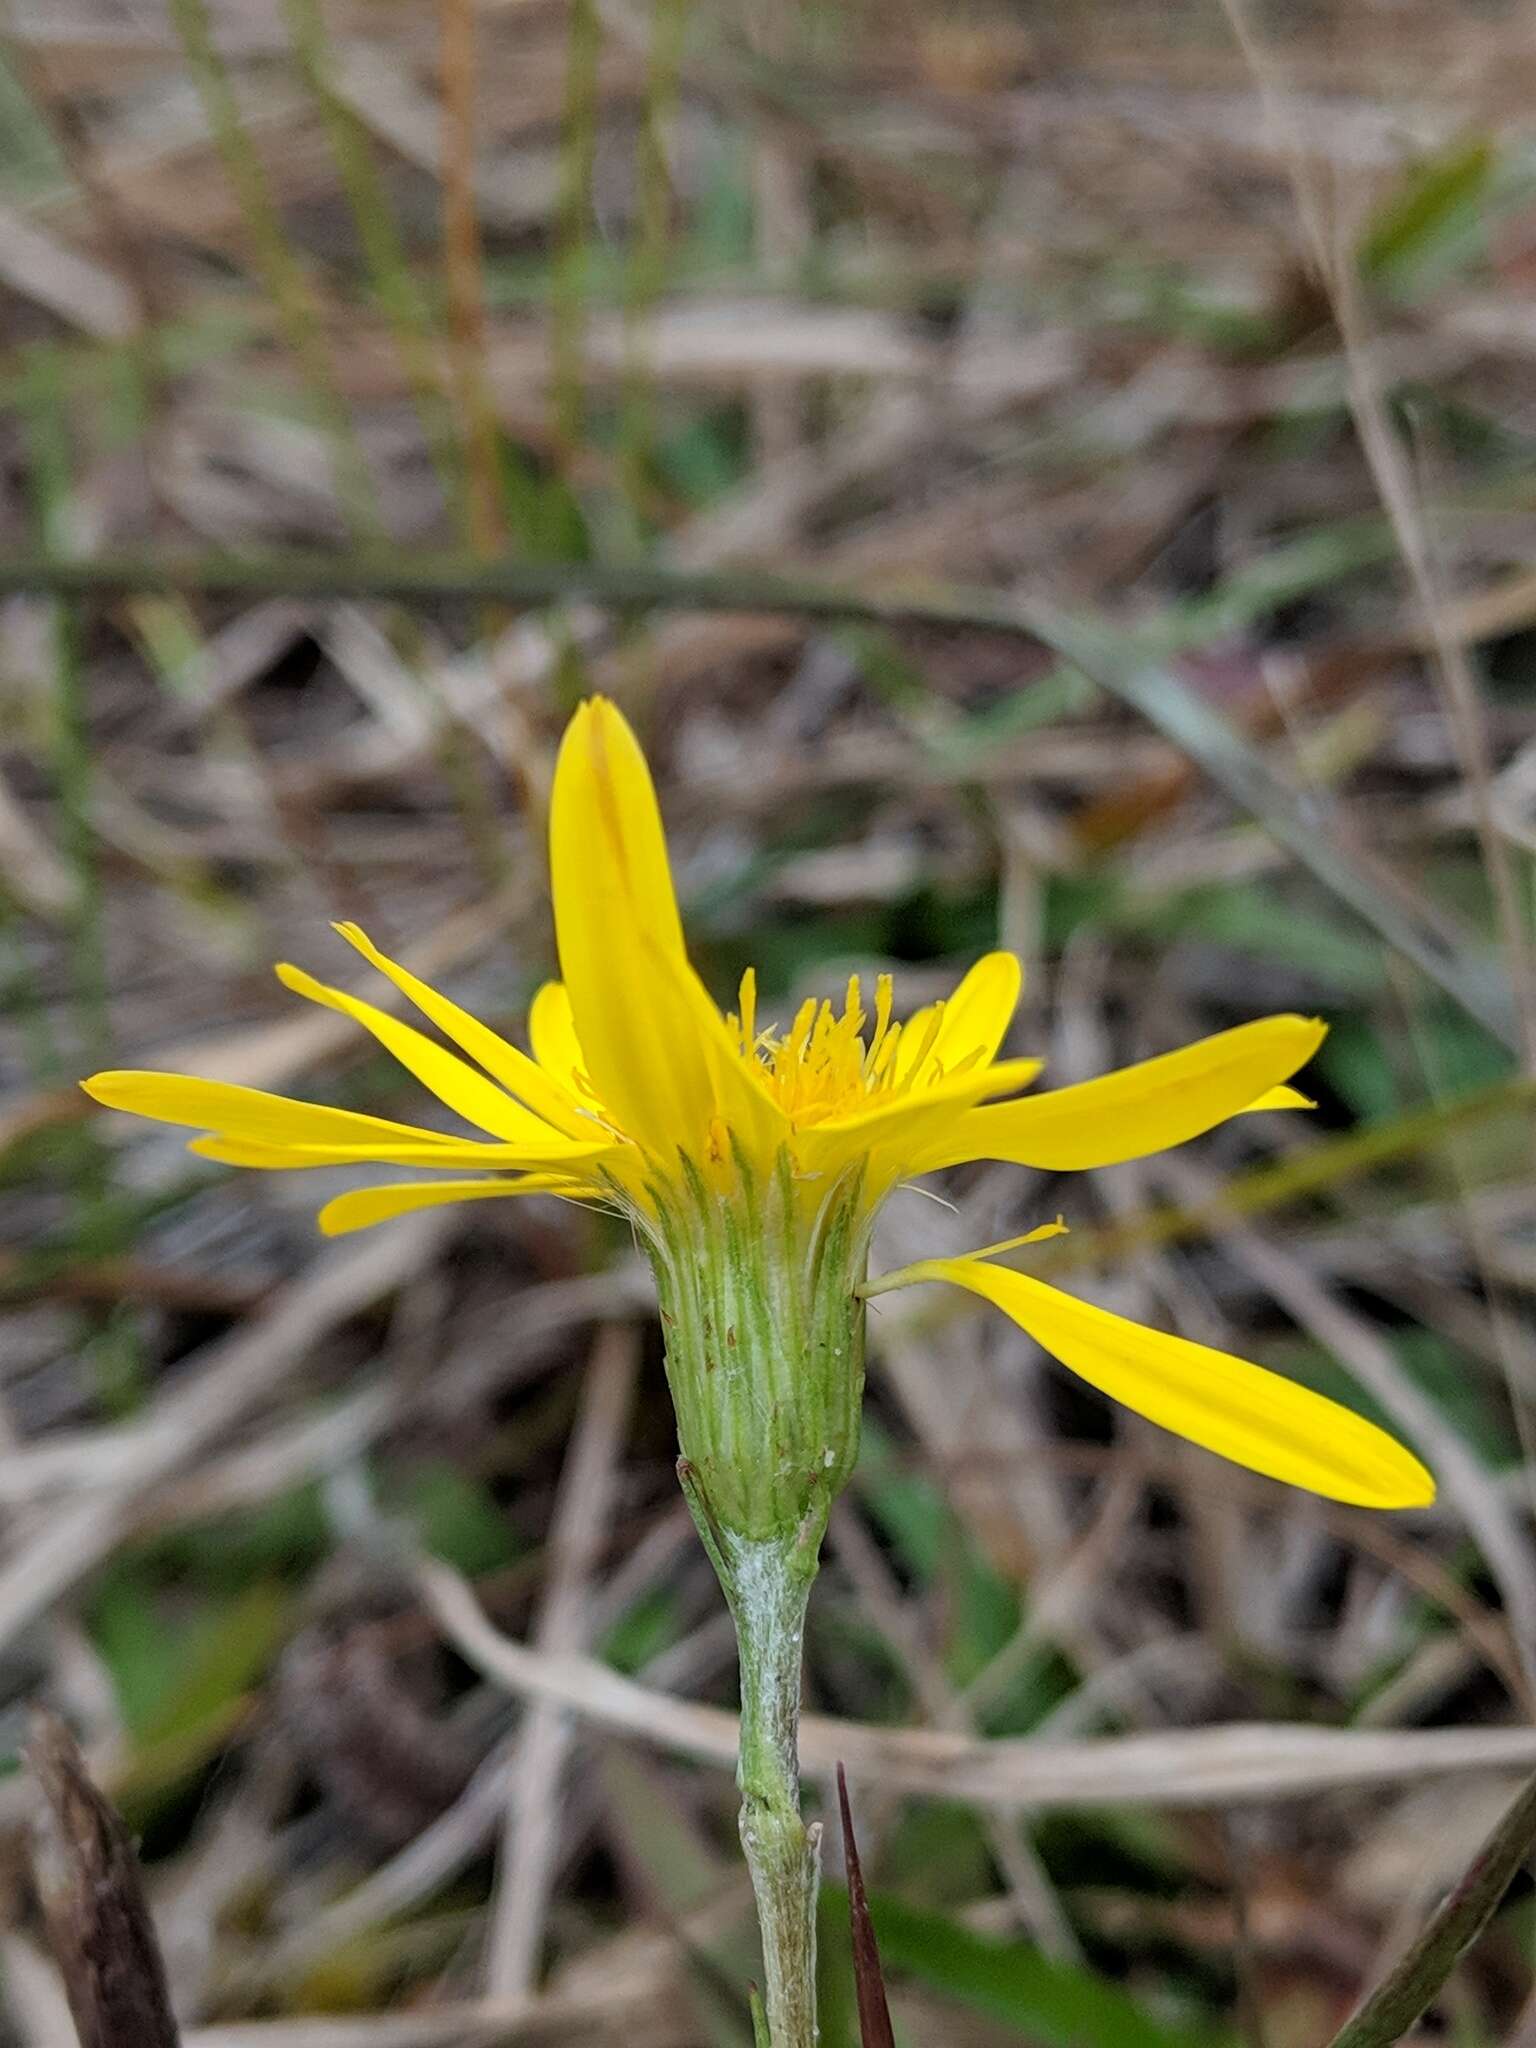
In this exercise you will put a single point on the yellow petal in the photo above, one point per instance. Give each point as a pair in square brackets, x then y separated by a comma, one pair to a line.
[452, 1080]
[363, 1207]
[739, 1087]
[917, 1035]
[1140, 1109]
[615, 919]
[503, 1062]
[911, 1120]
[256, 1152]
[249, 1112]
[1237, 1410]
[1282, 1098]
[552, 1034]
[977, 1015]
[284, 1158]
[890, 1140]
[889, 1143]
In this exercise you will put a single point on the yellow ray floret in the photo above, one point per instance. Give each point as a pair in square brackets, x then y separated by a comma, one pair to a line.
[963, 1031]
[1282, 1098]
[363, 1207]
[1142, 1109]
[620, 937]
[248, 1112]
[489, 1157]
[1237, 1410]
[253, 1128]
[557, 1049]
[522, 1077]
[452, 1080]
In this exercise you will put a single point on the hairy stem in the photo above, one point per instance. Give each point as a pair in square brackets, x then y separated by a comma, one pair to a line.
[768, 1586]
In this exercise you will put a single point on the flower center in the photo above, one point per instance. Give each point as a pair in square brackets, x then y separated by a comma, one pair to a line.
[823, 1066]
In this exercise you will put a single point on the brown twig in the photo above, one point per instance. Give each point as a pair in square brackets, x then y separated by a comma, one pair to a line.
[93, 1900]
[1239, 1762]
[869, 1980]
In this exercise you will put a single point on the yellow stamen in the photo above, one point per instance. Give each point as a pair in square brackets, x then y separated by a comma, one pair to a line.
[935, 1026]
[885, 995]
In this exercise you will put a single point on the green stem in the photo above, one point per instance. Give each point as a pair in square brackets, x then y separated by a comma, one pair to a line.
[768, 1586]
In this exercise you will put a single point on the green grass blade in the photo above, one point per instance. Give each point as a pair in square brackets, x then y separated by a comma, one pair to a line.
[1411, 1987]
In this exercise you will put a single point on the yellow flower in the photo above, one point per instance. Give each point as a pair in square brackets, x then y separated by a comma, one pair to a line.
[720, 1137]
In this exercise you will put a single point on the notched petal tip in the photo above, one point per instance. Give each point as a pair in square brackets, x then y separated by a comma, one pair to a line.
[598, 707]
[592, 725]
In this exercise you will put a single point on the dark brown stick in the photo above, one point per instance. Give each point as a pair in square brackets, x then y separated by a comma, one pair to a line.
[868, 1977]
[93, 1900]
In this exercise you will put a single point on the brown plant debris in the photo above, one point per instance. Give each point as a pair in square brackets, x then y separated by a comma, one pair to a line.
[92, 1895]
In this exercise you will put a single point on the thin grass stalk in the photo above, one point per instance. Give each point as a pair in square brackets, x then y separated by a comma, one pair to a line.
[486, 495]
[404, 303]
[1119, 662]
[571, 280]
[485, 517]
[111, 1345]
[300, 324]
[70, 747]
[175, 652]
[22, 1001]
[60, 119]
[1335, 257]
[280, 269]
[1410, 1988]
[645, 270]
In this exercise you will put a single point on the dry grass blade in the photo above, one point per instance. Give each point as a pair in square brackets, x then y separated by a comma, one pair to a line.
[1240, 1762]
[869, 1978]
[536, 1765]
[584, 2021]
[1410, 1988]
[1492, 1518]
[77, 290]
[1036, 1904]
[1112, 659]
[93, 1900]
[235, 1374]
[1335, 255]
[1117, 662]
[464, 272]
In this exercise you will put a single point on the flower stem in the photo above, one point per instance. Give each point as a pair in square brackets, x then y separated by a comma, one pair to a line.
[767, 1584]
[770, 1585]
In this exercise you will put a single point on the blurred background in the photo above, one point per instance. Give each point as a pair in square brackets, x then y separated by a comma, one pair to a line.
[1181, 359]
